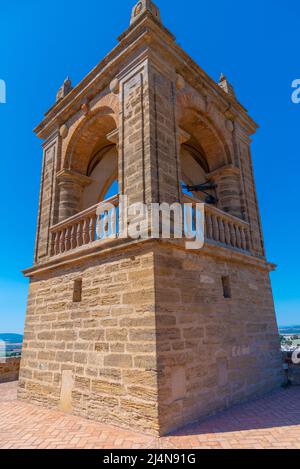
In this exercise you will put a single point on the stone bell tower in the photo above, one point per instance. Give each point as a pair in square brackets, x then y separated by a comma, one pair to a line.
[145, 333]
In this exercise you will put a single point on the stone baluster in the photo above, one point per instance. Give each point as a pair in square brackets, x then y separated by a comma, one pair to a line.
[85, 235]
[68, 239]
[73, 236]
[248, 242]
[209, 227]
[62, 241]
[238, 237]
[79, 234]
[221, 231]
[57, 243]
[232, 235]
[243, 239]
[215, 229]
[92, 229]
[227, 233]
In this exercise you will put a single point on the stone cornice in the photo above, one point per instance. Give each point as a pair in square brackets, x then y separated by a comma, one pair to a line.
[145, 32]
[112, 247]
[233, 109]
[94, 82]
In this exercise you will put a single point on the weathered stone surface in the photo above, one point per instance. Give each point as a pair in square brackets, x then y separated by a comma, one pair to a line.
[103, 387]
[121, 361]
[135, 333]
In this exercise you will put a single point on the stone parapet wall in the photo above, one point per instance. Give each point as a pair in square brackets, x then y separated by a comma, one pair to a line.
[9, 369]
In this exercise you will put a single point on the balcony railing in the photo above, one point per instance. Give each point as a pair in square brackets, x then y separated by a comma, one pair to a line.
[81, 229]
[224, 228]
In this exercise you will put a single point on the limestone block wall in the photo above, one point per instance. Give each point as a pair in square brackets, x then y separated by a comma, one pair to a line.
[9, 369]
[96, 357]
[151, 342]
[212, 351]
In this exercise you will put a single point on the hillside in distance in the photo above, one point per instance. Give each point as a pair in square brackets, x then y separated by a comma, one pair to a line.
[12, 338]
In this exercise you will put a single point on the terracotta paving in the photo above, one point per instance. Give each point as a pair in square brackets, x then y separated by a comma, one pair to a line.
[269, 422]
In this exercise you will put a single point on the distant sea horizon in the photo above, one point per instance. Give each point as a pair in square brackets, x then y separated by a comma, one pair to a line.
[294, 329]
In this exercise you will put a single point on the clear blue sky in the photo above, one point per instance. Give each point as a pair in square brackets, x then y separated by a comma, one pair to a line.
[256, 44]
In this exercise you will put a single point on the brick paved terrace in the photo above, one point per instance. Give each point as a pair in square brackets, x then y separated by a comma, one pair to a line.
[269, 422]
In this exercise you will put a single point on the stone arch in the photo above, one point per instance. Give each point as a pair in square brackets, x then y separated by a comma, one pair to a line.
[89, 137]
[111, 102]
[202, 128]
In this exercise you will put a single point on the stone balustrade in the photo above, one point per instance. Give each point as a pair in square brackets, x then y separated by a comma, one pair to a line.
[224, 228]
[79, 230]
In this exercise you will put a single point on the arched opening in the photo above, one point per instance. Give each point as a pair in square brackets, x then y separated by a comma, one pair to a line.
[204, 151]
[194, 171]
[89, 139]
[205, 139]
[103, 171]
[91, 161]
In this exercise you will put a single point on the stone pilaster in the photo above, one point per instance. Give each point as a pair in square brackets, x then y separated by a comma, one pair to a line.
[251, 202]
[164, 135]
[48, 200]
[149, 162]
[133, 133]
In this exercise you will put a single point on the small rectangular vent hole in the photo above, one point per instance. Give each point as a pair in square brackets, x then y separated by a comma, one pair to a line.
[226, 287]
[77, 290]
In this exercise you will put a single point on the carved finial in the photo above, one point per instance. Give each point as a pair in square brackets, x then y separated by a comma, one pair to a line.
[142, 7]
[225, 85]
[64, 89]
